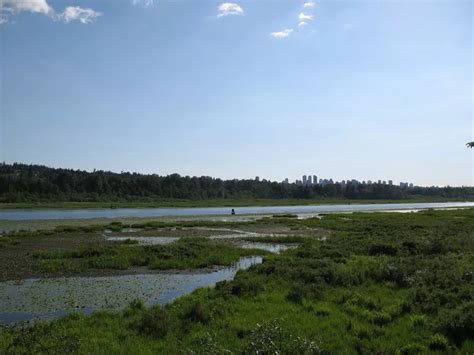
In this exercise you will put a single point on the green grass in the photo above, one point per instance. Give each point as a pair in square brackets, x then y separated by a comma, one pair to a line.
[380, 283]
[186, 253]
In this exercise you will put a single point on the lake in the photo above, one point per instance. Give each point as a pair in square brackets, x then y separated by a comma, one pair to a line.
[32, 214]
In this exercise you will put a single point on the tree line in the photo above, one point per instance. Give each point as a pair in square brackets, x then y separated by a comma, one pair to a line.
[35, 183]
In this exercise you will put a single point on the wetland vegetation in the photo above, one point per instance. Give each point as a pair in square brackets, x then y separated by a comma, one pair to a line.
[361, 282]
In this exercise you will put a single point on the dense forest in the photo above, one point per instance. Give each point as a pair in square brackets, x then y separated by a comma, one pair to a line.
[31, 183]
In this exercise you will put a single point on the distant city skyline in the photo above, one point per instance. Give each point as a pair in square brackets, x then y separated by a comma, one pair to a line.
[311, 180]
[368, 89]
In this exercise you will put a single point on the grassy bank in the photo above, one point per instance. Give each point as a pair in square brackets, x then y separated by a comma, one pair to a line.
[380, 283]
[205, 203]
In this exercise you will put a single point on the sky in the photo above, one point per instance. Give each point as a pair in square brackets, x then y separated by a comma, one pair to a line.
[339, 89]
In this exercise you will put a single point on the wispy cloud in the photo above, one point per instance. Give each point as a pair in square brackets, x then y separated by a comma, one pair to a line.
[76, 13]
[145, 3]
[309, 4]
[282, 34]
[304, 17]
[70, 13]
[229, 9]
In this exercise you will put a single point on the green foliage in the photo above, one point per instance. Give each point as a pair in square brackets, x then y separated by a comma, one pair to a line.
[198, 311]
[244, 285]
[438, 342]
[458, 323]
[156, 322]
[272, 338]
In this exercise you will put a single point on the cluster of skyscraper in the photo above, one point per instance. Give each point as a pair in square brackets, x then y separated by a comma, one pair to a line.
[311, 180]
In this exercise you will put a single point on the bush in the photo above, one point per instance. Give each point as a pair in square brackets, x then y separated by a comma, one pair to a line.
[206, 344]
[245, 287]
[322, 312]
[155, 322]
[295, 294]
[418, 321]
[272, 338]
[381, 318]
[438, 342]
[458, 324]
[198, 312]
[414, 348]
[382, 249]
[134, 307]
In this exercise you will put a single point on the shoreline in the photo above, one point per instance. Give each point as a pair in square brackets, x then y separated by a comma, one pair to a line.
[175, 204]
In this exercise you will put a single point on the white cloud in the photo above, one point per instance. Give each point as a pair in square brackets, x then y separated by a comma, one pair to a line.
[302, 23]
[304, 17]
[70, 13]
[145, 3]
[282, 34]
[309, 4]
[76, 13]
[15, 6]
[229, 8]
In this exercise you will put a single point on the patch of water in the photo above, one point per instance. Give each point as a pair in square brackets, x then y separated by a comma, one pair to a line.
[310, 215]
[271, 247]
[50, 298]
[145, 240]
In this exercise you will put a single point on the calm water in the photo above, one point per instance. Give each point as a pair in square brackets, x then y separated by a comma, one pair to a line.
[157, 212]
[55, 297]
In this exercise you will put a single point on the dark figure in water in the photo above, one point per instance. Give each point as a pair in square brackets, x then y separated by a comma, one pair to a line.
[232, 212]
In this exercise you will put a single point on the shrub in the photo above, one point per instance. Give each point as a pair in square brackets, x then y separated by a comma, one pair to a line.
[381, 318]
[458, 323]
[245, 286]
[438, 342]
[272, 338]
[155, 322]
[134, 306]
[322, 312]
[413, 348]
[382, 249]
[418, 321]
[295, 294]
[198, 312]
[206, 344]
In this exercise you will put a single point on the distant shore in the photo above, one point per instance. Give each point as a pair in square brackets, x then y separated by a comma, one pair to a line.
[174, 203]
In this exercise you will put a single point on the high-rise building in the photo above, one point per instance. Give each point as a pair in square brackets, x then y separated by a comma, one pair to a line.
[315, 180]
[390, 182]
[304, 180]
[309, 181]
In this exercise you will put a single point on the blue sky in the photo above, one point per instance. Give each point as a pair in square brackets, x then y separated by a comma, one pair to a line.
[364, 89]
